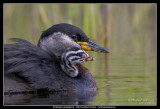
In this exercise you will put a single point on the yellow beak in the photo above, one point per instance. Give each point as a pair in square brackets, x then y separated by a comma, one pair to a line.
[90, 46]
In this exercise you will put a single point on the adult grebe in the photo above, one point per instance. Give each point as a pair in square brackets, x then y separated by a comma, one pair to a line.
[53, 65]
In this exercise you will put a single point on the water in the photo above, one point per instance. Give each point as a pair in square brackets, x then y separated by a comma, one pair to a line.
[130, 80]
[55, 98]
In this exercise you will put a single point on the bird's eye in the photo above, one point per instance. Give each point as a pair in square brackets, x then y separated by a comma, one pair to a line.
[75, 37]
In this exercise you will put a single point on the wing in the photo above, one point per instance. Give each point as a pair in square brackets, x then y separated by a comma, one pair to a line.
[30, 64]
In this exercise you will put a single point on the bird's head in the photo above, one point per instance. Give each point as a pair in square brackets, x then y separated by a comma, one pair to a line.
[75, 55]
[71, 57]
[59, 37]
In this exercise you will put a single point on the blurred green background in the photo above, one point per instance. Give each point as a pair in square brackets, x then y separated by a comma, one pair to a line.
[125, 76]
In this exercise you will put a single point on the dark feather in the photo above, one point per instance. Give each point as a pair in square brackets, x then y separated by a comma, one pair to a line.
[27, 60]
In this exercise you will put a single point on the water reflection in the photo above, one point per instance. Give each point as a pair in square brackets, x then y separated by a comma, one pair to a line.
[54, 98]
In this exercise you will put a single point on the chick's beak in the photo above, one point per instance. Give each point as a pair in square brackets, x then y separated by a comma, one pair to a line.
[91, 46]
[87, 57]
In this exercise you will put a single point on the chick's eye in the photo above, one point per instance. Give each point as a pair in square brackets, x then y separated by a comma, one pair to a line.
[79, 54]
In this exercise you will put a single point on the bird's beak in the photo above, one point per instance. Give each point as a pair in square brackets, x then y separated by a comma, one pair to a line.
[91, 46]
